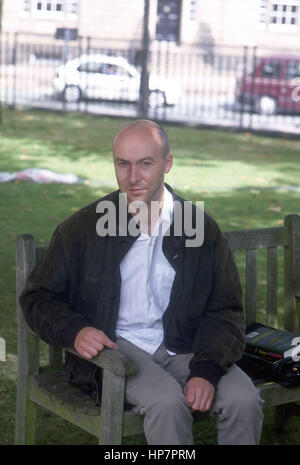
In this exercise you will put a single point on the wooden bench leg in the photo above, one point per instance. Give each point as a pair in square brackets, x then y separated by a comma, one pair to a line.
[25, 422]
[25, 408]
[112, 408]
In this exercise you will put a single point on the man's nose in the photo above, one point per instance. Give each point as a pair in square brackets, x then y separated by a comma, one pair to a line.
[133, 175]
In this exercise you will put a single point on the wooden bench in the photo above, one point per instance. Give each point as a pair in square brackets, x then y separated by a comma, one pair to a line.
[48, 386]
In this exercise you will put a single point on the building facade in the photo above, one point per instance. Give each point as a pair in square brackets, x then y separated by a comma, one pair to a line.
[183, 23]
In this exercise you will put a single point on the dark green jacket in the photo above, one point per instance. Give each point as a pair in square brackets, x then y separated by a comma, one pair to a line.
[77, 284]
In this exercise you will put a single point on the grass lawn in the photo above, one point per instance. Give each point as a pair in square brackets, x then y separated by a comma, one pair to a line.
[246, 181]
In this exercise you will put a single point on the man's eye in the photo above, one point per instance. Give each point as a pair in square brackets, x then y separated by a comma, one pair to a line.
[146, 163]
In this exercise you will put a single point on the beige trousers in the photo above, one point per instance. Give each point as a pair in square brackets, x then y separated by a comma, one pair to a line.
[156, 392]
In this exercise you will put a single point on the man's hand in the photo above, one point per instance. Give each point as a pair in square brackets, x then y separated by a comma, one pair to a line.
[199, 394]
[89, 341]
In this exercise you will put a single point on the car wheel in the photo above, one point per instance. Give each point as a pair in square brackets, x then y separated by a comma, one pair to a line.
[72, 94]
[156, 98]
[266, 105]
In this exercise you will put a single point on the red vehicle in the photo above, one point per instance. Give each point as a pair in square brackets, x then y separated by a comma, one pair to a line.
[273, 86]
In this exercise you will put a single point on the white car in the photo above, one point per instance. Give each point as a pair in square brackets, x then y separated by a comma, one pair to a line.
[110, 78]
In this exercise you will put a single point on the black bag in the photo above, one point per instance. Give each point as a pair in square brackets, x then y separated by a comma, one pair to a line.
[272, 354]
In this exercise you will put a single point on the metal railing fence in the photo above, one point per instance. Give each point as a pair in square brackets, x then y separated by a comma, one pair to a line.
[239, 87]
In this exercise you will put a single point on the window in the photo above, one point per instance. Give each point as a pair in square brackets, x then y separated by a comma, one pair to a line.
[49, 5]
[293, 70]
[263, 11]
[271, 70]
[26, 5]
[66, 6]
[73, 7]
[90, 67]
[282, 14]
[50, 8]
[103, 68]
[63, 33]
[111, 68]
[193, 10]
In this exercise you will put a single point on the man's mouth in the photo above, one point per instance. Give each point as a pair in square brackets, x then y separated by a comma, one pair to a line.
[136, 190]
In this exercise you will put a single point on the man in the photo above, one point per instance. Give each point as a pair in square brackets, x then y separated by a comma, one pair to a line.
[175, 310]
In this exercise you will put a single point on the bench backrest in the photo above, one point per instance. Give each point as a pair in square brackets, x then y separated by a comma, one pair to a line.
[286, 237]
[249, 241]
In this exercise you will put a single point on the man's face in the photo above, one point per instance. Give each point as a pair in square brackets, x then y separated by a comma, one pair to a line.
[140, 165]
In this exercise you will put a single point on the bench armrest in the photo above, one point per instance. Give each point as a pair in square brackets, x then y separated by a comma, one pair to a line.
[112, 360]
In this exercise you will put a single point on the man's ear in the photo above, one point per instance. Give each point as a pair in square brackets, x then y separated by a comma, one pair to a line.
[168, 162]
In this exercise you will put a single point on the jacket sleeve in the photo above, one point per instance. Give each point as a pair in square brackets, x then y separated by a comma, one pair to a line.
[49, 293]
[220, 337]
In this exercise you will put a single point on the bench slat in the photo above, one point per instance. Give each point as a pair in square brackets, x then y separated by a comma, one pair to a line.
[251, 285]
[272, 283]
[274, 394]
[256, 238]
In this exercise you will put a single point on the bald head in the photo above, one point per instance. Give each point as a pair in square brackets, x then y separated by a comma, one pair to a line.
[141, 159]
[144, 128]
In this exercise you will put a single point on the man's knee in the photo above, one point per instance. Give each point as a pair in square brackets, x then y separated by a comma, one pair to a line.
[245, 402]
[248, 400]
[237, 394]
